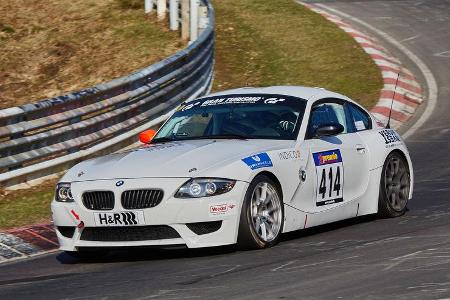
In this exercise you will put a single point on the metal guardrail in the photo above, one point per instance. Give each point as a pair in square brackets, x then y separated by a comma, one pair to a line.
[51, 135]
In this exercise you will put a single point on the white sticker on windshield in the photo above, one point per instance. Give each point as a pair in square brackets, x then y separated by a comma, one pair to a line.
[232, 100]
[360, 125]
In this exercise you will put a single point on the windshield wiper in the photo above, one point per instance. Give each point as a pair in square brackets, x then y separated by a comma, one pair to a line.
[204, 137]
[224, 136]
[162, 140]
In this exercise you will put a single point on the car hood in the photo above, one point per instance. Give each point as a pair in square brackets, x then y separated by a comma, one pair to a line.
[172, 159]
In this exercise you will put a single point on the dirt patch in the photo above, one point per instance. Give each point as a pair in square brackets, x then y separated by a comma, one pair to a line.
[48, 48]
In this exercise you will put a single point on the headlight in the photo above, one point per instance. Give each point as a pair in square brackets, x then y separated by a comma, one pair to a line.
[63, 193]
[205, 187]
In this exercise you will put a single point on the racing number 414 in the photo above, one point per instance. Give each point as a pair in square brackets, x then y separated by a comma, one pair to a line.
[333, 186]
[330, 184]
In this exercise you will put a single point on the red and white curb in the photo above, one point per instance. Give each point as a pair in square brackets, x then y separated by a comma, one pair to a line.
[408, 94]
[27, 241]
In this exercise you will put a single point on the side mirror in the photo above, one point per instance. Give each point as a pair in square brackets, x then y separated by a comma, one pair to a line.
[329, 130]
[146, 136]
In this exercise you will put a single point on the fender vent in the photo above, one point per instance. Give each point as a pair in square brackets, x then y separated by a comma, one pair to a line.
[204, 227]
[66, 231]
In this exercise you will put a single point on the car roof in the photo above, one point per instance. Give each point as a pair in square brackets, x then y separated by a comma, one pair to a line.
[306, 93]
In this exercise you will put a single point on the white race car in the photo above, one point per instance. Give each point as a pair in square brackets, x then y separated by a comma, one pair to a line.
[240, 166]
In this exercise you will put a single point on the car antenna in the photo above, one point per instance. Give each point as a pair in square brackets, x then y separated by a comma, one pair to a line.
[388, 125]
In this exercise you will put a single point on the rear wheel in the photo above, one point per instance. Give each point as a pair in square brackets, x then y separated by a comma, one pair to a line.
[395, 186]
[261, 220]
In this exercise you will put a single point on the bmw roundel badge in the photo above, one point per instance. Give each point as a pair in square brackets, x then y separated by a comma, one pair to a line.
[119, 183]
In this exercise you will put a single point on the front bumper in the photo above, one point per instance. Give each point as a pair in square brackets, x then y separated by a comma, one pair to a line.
[172, 212]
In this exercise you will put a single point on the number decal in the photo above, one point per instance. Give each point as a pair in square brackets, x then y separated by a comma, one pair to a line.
[337, 181]
[323, 187]
[329, 167]
[331, 180]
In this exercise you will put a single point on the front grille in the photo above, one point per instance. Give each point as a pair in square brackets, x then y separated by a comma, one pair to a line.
[66, 231]
[98, 200]
[204, 227]
[127, 234]
[136, 199]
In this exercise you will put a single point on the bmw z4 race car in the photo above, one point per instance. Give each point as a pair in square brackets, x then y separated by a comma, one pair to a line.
[241, 166]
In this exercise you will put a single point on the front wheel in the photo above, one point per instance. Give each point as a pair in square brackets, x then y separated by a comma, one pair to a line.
[394, 186]
[261, 221]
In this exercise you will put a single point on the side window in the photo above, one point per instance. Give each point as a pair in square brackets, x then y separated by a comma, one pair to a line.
[326, 113]
[361, 119]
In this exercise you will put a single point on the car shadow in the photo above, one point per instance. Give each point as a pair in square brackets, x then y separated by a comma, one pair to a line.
[135, 254]
[327, 227]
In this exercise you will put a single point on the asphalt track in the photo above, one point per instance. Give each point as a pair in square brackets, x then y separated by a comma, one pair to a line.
[369, 258]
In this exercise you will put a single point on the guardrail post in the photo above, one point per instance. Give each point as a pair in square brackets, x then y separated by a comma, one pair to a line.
[174, 15]
[194, 20]
[148, 6]
[185, 19]
[202, 18]
[161, 9]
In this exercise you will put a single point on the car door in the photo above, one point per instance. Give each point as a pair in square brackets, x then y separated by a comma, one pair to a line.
[337, 165]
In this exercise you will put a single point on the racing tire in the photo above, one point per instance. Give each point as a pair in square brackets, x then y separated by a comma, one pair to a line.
[262, 215]
[394, 186]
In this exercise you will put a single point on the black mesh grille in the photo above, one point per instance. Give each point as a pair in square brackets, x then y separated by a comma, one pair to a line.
[66, 231]
[135, 199]
[99, 200]
[137, 233]
[204, 227]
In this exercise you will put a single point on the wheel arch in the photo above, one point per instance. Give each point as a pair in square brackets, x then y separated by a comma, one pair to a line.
[407, 158]
[273, 177]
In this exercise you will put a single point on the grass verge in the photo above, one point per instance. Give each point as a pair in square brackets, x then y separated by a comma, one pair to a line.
[24, 207]
[48, 48]
[262, 43]
[257, 44]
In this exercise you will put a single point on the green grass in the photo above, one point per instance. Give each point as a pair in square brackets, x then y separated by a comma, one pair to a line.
[26, 207]
[260, 43]
[257, 44]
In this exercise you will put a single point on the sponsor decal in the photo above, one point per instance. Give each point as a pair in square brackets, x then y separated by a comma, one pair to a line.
[287, 155]
[389, 136]
[261, 160]
[124, 218]
[327, 157]
[273, 100]
[232, 100]
[329, 177]
[221, 209]
[189, 106]
[333, 201]
[120, 183]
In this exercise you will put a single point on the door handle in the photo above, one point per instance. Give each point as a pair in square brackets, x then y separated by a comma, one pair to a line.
[360, 148]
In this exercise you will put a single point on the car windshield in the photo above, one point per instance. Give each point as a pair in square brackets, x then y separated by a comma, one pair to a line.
[248, 116]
